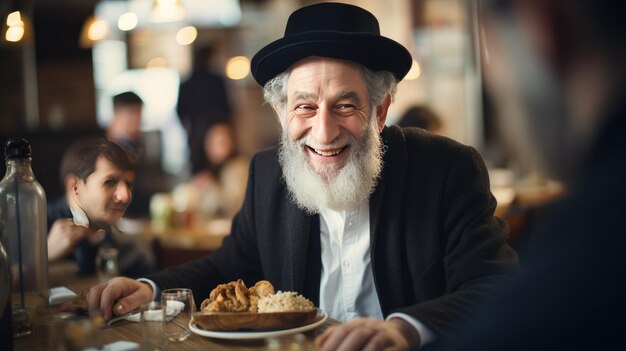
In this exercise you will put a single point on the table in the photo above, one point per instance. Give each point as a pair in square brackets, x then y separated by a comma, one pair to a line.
[46, 335]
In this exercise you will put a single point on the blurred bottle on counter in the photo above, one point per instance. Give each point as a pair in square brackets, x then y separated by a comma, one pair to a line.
[23, 219]
[6, 329]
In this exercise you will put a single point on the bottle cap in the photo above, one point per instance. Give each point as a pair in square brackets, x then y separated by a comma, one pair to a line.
[17, 148]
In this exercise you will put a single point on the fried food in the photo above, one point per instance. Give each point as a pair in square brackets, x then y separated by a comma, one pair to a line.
[260, 289]
[236, 297]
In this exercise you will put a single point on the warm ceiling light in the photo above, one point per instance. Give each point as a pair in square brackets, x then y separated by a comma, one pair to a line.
[15, 30]
[237, 67]
[186, 35]
[14, 19]
[14, 34]
[167, 11]
[97, 30]
[414, 72]
[127, 21]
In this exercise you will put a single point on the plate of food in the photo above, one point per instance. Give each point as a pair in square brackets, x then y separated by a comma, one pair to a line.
[234, 311]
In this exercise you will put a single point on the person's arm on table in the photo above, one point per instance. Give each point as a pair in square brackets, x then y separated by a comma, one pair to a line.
[118, 296]
[370, 334]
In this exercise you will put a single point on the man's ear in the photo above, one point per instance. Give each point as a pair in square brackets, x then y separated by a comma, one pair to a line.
[71, 184]
[381, 112]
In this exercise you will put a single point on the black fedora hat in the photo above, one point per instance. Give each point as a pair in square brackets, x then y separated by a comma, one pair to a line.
[332, 30]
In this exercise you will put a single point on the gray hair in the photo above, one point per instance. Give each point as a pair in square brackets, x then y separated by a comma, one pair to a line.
[378, 84]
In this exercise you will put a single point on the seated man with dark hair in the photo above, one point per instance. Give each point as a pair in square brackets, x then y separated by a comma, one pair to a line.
[98, 178]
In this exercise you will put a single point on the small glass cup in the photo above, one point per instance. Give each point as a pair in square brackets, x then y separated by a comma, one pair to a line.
[151, 318]
[179, 307]
[106, 264]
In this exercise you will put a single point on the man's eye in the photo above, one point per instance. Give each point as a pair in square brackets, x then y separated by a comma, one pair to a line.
[345, 109]
[305, 110]
[110, 182]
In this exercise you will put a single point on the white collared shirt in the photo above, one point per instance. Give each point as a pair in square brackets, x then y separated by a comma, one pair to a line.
[347, 284]
[347, 288]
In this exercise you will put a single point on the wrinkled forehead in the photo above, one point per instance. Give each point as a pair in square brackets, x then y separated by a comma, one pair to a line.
[317, 75]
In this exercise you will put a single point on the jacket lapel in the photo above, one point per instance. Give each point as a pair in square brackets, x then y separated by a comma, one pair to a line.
[299, 233]
[385, 213]
[391, 181]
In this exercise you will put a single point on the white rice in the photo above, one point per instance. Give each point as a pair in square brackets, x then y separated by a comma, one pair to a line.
[284, 302]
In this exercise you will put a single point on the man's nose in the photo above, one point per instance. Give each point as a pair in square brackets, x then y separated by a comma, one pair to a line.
[326, 127]
[122, 193]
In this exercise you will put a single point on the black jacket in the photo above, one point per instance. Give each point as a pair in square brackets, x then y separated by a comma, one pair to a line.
[436, 246]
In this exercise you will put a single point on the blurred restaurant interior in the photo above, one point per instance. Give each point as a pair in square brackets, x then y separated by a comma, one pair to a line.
[62, 61]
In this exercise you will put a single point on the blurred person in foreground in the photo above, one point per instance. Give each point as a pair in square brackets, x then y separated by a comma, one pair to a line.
[421, 116]
[556, 70]
[98, 177]
[394, 226]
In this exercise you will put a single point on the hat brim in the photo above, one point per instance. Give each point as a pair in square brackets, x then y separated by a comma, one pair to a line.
[375, 52]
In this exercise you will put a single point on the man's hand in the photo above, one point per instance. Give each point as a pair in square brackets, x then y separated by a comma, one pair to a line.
[369, 334]
[63, 237]
[120, 295]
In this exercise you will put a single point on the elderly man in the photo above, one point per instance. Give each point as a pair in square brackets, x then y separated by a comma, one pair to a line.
[367, 221]
[556, 70]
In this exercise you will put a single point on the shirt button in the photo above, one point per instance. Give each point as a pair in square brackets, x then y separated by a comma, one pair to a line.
[346, 264]
[349, 224]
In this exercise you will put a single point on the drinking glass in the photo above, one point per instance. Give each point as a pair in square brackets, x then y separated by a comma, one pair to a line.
[179, 308]
[152, 321]
[106, 264]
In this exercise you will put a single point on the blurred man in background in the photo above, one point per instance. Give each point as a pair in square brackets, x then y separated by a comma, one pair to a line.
[98, 178]
[125, 128]
[202, 101]
[556, 71]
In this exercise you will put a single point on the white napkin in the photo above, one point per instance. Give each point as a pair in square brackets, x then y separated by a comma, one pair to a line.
[173, 309]
[79, 216]
[60, 294]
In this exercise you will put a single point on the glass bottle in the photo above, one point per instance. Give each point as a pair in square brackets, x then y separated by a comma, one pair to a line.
[6, 328]
[106, 263]
[23, 210]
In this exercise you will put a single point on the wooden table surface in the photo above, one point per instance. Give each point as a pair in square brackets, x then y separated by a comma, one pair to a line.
[52, 330]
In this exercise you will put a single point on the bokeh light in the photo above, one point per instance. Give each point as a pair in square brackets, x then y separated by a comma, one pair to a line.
[237, 67]
[186, 35]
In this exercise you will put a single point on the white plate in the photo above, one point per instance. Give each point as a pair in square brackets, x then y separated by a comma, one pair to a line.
[243, 335]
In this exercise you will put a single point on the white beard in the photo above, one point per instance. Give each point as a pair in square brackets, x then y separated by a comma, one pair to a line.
[337, 189]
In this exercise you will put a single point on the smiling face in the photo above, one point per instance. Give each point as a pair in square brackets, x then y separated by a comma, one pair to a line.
[105, 194]
[327, 107]
[330, 152]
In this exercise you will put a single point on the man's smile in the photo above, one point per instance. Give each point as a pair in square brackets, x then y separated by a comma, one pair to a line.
[327, 152]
